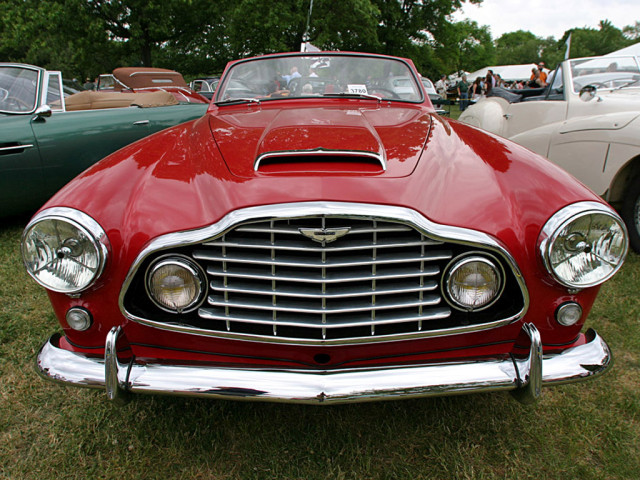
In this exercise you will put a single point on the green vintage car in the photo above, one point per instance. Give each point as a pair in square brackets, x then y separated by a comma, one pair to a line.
[46, 139]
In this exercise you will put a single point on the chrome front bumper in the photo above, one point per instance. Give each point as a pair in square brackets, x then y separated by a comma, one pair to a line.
[524, 377]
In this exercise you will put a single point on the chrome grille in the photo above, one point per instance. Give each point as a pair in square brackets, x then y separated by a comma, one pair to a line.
[271, 278]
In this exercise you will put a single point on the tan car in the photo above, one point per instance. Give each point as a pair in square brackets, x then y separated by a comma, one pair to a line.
[586, 121]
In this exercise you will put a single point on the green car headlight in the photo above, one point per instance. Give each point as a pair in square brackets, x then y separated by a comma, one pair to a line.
[583, 244]
[64, 250]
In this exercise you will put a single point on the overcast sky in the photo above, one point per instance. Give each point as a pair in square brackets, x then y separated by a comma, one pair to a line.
[549, 18]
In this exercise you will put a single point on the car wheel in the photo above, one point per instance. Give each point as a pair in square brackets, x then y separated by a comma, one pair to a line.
[631, 213]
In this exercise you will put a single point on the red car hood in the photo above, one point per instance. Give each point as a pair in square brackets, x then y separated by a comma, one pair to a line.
[321, 140]
[451, 173]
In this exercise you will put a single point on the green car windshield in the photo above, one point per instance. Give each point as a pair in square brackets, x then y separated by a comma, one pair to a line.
[296, 76]
[18, 89]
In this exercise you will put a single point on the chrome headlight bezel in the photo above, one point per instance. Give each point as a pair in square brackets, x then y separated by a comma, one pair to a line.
[196, 272]
[463, 260]
[552, 231]
[84, 224]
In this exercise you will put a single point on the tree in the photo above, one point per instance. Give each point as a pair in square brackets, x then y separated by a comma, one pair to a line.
[518, 48]
[464, 46]
[55, 34]
[587, 42]
[347, 25]
[145, 25]
[632, 32]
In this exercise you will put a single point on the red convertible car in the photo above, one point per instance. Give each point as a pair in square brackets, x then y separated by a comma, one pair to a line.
[317, 238]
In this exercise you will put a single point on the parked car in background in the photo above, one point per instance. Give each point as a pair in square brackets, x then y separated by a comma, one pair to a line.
[147, 79]
[205, 86]
[434, 96]
[327, 246]
[47, 138]
[587, 121]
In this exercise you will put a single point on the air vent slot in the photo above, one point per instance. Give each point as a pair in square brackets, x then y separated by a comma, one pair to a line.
[329, 161]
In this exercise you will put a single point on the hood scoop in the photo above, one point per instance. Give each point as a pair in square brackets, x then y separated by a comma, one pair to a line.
[287, 139]
[320, 160]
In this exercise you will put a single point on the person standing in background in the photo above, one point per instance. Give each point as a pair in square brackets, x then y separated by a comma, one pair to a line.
[463, 92]
[441, 87]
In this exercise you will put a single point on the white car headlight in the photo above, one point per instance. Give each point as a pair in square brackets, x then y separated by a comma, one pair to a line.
[64, 250]
[583, 244]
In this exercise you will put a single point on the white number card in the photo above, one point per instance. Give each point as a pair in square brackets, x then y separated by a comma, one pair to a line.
[357, 89]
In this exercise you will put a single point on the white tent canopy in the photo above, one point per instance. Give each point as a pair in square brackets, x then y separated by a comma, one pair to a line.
[630, 50]
[509, 73]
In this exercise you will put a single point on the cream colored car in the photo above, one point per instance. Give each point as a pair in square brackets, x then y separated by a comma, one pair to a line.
[587, 121]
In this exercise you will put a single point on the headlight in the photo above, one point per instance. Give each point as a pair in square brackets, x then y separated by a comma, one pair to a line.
[176, 284]
[473, 282]
[64, 250]
[583, 244]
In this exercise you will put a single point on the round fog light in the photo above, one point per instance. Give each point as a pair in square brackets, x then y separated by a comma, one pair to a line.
[473, 283]
[79, 319]
[176, 284]
[569, 314]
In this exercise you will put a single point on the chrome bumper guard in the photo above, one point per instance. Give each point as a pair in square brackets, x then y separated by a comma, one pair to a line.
[524, 377]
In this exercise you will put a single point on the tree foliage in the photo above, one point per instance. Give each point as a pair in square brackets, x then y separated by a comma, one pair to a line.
[87, 37]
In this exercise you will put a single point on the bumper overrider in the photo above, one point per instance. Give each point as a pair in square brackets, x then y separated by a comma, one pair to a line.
[524, 377]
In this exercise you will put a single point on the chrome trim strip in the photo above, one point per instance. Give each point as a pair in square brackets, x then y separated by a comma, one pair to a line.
[353, 247]
[319, 264]
[343, 293]
[432, 314]
[15, 147]
[330, 386]
[428, 272]
[322, 152]
[428, 300]
[346, 210]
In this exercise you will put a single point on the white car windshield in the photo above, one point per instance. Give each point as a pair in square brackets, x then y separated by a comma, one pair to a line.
[605, 72]
[328, 75]
[18, 89]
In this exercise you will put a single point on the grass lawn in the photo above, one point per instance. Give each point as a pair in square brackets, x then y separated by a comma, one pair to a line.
[589, 430]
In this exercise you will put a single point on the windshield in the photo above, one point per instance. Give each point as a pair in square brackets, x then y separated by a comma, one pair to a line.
[18, 89]
[297, 76]
[605, 72]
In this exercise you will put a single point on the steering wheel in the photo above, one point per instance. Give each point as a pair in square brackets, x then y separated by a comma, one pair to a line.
[294, 85]
[600, 85]
[391, 93]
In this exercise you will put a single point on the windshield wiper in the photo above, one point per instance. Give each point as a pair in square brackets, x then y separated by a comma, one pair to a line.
[628, 84]
[353, 95]
[237, 101]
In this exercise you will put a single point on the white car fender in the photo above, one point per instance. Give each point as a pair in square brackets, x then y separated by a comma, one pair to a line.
[596, 149]
[488, 114]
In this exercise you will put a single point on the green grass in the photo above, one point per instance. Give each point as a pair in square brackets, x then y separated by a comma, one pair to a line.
[589, 430]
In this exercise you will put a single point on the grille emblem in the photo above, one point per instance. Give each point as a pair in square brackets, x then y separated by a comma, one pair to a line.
[324, 235]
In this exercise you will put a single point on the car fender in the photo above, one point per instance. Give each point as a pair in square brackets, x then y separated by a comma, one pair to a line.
[596, 149]
[488, 114]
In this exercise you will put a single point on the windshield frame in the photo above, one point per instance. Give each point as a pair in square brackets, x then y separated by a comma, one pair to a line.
[602, 74]
[227, 77]
[38, 91]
